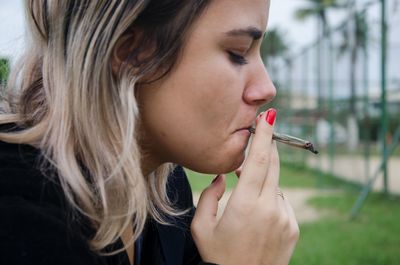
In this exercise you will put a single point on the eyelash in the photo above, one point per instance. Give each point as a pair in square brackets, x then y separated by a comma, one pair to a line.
[237, 59]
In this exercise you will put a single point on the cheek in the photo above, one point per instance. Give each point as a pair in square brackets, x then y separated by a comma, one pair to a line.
[210, 92]
[211, 86]
[192, 113]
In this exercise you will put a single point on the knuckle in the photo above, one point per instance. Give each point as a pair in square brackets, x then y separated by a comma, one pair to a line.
[294, 233]
[272, 215]
[195, 226]
[285, 221]
[204, 193]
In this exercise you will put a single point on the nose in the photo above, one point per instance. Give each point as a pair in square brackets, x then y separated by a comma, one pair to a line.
[259, 89]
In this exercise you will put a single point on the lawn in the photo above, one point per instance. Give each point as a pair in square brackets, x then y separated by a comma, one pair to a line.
[373, 238]
[291, 176]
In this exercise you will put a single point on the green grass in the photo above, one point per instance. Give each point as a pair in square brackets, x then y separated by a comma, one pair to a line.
[199, 181]
[373, 238]
[291, 176]
[297, 176]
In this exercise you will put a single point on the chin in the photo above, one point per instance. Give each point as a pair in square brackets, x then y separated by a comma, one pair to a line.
[221, 160]
[227, 165]
[230, 162]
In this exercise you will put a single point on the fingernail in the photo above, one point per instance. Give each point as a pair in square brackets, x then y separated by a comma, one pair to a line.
[215, 179]
[271, 115]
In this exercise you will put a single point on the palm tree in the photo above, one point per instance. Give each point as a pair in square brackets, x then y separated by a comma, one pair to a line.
[358, 33]
[273, 48]
[318, 9]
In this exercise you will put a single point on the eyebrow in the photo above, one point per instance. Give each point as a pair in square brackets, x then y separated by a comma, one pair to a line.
[251, 32]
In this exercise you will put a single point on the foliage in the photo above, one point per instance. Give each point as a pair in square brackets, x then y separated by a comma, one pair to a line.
[274, 48]
[359, 35]
[292, 175]
[274, 45]
[4, 69]
[374, 125]
[199, 181]
[318, 8]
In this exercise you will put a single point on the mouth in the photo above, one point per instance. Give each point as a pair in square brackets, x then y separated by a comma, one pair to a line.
[244, 128]
[247, 124]
[247, 128]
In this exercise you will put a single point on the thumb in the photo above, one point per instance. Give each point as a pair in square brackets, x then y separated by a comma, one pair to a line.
[207, 206]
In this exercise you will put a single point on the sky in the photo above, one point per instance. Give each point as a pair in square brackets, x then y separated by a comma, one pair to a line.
[281, 15]
[298, 34]
[11, 27]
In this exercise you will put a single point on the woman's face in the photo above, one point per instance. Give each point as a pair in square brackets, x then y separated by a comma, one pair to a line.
[197, 116]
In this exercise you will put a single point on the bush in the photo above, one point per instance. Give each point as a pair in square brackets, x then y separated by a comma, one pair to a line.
[4, 69]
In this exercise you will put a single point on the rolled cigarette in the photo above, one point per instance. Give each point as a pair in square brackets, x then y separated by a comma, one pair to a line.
[291, 140]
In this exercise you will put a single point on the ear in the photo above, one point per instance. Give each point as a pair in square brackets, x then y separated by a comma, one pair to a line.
[124, 48]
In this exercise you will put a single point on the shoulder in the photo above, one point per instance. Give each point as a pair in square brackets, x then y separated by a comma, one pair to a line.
[33, 233]
[36, 224]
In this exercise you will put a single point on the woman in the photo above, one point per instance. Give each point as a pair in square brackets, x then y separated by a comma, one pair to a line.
[113, 93]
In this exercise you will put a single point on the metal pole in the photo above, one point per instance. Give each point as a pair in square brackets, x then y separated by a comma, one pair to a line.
[289, 88]
[367, 188]
[319, 68]
[306, 100]
[383, 94]
[319, 106]
[331, 115]
[366, 131]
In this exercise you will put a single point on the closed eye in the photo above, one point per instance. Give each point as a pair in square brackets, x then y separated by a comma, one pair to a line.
[237, 58]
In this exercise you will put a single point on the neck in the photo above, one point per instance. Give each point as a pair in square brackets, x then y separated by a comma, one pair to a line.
[149, 164]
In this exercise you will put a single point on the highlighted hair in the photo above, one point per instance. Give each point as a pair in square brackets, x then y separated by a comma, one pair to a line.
[83, 117]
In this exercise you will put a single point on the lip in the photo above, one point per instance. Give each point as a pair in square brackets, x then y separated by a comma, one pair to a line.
[247, 124]
[243, 129]
[243, 132]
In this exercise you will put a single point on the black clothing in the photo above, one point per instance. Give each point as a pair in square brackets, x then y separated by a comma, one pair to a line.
[37, 225]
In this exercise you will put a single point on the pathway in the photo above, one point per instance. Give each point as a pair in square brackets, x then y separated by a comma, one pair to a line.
[298, 198]
[353, 168]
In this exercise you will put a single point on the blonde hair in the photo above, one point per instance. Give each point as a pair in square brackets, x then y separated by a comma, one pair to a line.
[83, 118]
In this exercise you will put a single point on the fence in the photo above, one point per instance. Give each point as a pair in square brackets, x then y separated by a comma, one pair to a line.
[343, 92]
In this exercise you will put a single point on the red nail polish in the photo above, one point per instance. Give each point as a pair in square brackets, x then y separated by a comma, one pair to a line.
[271, 115]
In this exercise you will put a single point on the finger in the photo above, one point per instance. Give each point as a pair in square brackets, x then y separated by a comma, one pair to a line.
[271, 182]
[259, 116]
[207, 206]
[255, 167]
[238, 172]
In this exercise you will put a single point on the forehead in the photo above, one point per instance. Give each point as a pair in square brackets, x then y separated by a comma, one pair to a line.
[224, 14]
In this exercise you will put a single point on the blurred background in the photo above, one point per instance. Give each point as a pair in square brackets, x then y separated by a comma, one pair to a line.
[336, 66]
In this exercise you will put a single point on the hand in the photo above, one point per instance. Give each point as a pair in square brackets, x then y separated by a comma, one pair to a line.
[258, 225]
